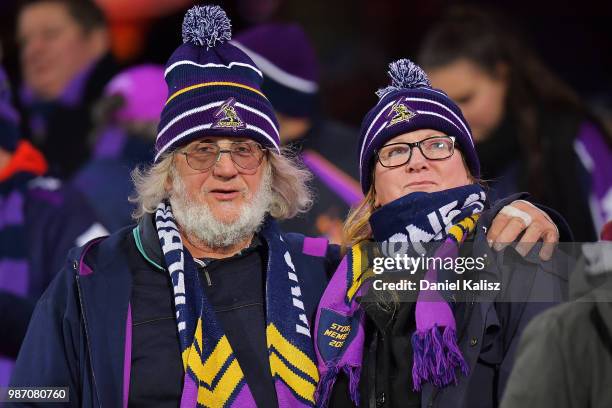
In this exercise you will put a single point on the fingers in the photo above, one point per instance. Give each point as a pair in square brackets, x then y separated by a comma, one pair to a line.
[509, 233]
[550, 241]
[539, 216]
[499, 222]
[530, 238]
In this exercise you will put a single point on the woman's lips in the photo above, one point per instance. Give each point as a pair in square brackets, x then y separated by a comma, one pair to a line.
[420, 183]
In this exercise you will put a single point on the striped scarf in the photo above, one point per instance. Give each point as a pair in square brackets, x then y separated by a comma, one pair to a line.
[213, 377]
[449, 217]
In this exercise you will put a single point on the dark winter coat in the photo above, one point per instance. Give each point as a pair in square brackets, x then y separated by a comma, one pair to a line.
[488, 332]
[80, 335]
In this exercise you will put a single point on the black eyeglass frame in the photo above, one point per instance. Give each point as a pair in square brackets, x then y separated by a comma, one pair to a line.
[412, 146]
[229, 151]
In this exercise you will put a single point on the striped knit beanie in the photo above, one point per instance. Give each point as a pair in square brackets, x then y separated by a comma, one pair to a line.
[409, 104]
[9, 118]
[214, 89]
[289, 66]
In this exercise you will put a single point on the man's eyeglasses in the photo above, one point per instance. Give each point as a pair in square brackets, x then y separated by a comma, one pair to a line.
[246, 155]
[432, 148]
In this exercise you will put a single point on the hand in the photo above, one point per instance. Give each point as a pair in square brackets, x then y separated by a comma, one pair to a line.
[506, 229]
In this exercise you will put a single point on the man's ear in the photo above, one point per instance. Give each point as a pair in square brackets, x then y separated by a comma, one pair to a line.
[168, 184]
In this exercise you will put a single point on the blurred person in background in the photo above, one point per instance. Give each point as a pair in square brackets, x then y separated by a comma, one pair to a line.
[126, 120]
[40, 220]
[532, 132]
[65, 63]
[564, 358]
[289, 64]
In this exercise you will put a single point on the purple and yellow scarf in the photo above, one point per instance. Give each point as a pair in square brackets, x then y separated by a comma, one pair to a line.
[449, 217]
[213, 377]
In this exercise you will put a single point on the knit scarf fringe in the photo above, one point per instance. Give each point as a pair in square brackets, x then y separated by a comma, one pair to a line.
[436, 357]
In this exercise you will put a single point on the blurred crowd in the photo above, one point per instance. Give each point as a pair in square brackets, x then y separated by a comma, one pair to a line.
[82, 88]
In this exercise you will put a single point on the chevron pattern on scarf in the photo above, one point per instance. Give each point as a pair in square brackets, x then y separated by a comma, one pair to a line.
[213, 376]
[292, 366]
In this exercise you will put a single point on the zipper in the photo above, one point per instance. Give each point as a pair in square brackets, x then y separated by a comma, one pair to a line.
[208, 281]
[202, 265]
[93, 374]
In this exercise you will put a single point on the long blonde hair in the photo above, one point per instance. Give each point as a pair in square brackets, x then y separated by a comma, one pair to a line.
[357, 225]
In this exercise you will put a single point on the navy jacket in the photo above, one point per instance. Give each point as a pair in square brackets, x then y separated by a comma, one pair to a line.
[80, 332]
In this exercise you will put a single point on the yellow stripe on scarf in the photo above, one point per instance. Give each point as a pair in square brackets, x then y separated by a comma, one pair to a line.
[190, 353]
[358, 258]
[463, 227]
[206, 372]
[303, 388]
[224, 389]
[209, 370]
[291, 353]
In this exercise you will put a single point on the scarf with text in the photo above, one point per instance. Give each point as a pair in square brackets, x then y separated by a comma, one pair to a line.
[213, 377]
[447, 217]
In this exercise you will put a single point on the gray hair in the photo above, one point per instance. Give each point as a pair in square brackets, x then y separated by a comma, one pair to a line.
[291, 195]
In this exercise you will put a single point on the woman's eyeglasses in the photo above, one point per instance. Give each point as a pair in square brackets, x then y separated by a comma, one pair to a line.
[432, 148]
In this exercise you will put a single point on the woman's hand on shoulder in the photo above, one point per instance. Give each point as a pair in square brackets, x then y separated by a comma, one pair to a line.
[522, 216]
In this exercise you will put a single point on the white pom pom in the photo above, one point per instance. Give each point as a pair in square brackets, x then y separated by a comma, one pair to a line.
[405, 74]
[206, 25]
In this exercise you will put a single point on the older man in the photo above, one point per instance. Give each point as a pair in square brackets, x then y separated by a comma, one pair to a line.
[205, 302]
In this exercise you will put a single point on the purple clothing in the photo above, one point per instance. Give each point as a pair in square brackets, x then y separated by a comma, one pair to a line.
[596, 157]
[40, 220]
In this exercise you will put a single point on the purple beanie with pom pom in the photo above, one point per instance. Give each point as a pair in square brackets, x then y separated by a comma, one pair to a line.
[214, 88]
[409, 104]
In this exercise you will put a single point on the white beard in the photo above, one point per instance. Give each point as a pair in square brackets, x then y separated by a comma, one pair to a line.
[197, 220]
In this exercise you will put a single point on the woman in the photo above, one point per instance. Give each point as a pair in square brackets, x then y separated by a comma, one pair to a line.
[419, 171]
[531, 130]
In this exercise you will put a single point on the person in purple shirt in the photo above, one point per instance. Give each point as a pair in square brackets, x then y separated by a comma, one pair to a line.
[65, 60]
[531, 130]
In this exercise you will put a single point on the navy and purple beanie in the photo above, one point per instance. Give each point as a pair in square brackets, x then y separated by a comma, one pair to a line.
[289, 64]
[409, 104]
[9, 118]
[214, 89]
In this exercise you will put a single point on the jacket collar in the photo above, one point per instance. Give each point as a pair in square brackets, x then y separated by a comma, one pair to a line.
[148, 244]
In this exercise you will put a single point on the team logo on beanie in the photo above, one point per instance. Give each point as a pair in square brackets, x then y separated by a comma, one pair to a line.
[228, 117]
[400, 113]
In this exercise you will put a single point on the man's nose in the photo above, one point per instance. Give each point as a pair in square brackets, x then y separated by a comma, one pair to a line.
[224, 166]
